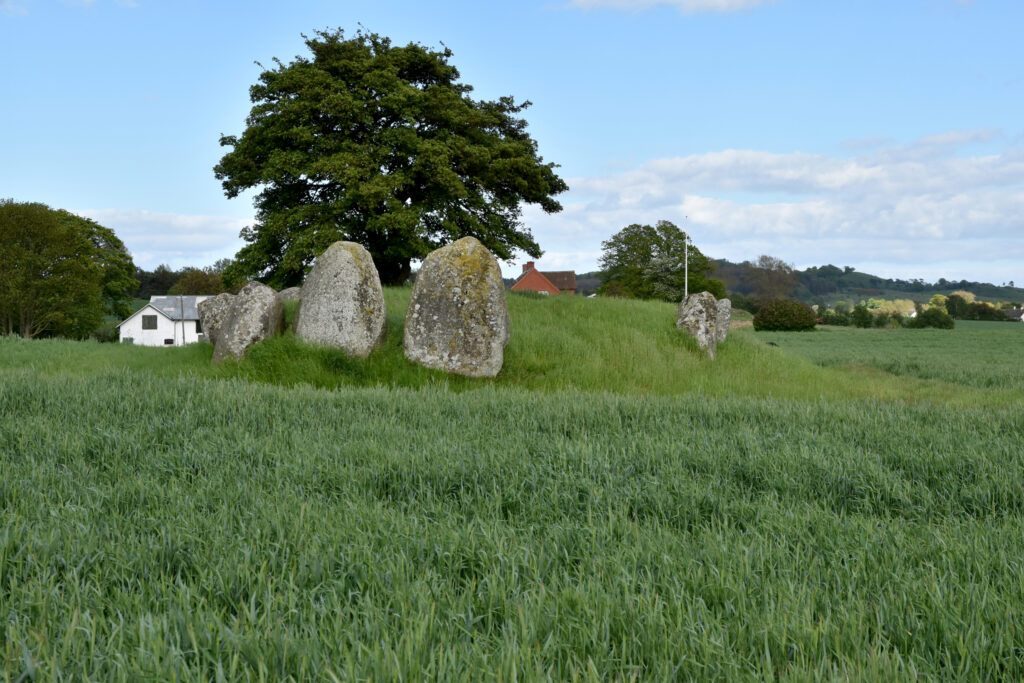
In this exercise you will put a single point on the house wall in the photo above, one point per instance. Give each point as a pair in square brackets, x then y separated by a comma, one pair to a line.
[165, 329]
[181, 332]
[534, 282]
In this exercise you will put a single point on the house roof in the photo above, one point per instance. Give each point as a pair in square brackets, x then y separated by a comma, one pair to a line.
[1014, 313]
[561, 279]
[172, 307]
[178, 307]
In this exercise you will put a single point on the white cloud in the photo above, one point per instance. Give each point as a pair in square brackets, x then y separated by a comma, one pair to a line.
[920, 208]
[175, 239]
[685, 6]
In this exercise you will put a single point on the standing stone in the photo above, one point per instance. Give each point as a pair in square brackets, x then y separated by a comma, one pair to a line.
[342, 301]
[256, 313]
[457, 320]
[290, 294]
[698, 313]
[212, 314]
[724, 318]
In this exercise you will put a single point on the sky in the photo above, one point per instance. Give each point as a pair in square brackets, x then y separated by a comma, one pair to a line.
[883, 135]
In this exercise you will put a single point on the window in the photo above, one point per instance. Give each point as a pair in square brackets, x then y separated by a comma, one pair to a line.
[149, 322]
[168, 342]
[199, 327]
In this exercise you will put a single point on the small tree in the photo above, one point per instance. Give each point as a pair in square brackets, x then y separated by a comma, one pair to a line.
[645, 262]
[861, 316]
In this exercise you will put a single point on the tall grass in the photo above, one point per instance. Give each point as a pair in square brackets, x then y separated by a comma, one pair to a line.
[196, 528]
[975, 353]
[612, 506]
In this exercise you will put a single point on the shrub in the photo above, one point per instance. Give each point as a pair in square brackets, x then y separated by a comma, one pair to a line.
[881, 319]
[861, 316]
[784, 315]
[839, 316]
[932, 317]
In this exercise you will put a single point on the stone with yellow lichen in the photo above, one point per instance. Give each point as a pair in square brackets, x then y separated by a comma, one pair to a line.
[342, 303]
[457, 320]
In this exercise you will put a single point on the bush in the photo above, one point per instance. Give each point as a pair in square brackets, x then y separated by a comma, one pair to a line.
[784, 315]
[881, 319]
[861, 316]
[839, 316]
[932, 317]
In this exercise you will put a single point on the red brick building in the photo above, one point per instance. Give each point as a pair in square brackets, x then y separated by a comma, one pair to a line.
[547, 282]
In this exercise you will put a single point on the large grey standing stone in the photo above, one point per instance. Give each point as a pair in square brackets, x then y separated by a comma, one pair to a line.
[457, 320]
[256, 314]
[212, 314]
[290, 294]
[342, 301]
[698, 313]
[723, 320]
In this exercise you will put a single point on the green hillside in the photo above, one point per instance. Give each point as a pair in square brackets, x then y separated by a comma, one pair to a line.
[830, 284]
[612, 507]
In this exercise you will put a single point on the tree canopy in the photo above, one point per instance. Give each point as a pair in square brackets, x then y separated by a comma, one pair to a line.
[61, 273]
[646, 262]
[381, 145]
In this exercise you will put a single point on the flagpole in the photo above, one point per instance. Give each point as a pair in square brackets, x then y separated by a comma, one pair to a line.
[686, 261]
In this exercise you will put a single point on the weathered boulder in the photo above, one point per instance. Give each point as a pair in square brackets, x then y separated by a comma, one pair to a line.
[255, 314]
[212, 314]
[723, 320]
[457, 320]
[698, 313]
[290, 294]
[342, 301]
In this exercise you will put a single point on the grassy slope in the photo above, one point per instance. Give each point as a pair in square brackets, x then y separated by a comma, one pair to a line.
[200, 525]
[558, 344]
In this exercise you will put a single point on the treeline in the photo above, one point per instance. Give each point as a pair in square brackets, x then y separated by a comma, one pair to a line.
[189, 280]
[769, 278]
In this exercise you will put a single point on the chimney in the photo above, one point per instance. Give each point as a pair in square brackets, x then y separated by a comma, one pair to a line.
[528, 266]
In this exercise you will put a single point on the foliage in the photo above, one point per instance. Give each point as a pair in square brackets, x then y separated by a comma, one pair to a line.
[198, 281]
[62, 273]
[938, 301]
[861, 316]
[384, 146]
[956, 306]
[932, 317]
[157, 282]
[784, 315]
[645, 262]
[840, 315]
[981, 310]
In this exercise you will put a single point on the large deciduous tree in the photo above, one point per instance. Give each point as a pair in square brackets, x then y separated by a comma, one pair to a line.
[384, 146]
[59, 273]
[647, 262]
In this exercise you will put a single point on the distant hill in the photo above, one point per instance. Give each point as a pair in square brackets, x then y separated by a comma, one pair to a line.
[830, 283]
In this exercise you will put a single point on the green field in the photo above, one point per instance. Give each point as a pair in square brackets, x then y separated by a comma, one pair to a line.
[612, 506]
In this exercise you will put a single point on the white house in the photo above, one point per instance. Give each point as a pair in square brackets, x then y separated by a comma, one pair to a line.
[164, 321]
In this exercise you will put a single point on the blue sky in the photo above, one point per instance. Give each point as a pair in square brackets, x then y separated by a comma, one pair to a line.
[883, 135]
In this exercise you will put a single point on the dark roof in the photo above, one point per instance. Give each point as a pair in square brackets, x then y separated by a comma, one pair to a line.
[178, 307]
[563, 279]
[1014, 313]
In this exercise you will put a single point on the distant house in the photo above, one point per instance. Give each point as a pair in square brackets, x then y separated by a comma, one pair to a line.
[164, 321]
[546, 282]
[1016, 314]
